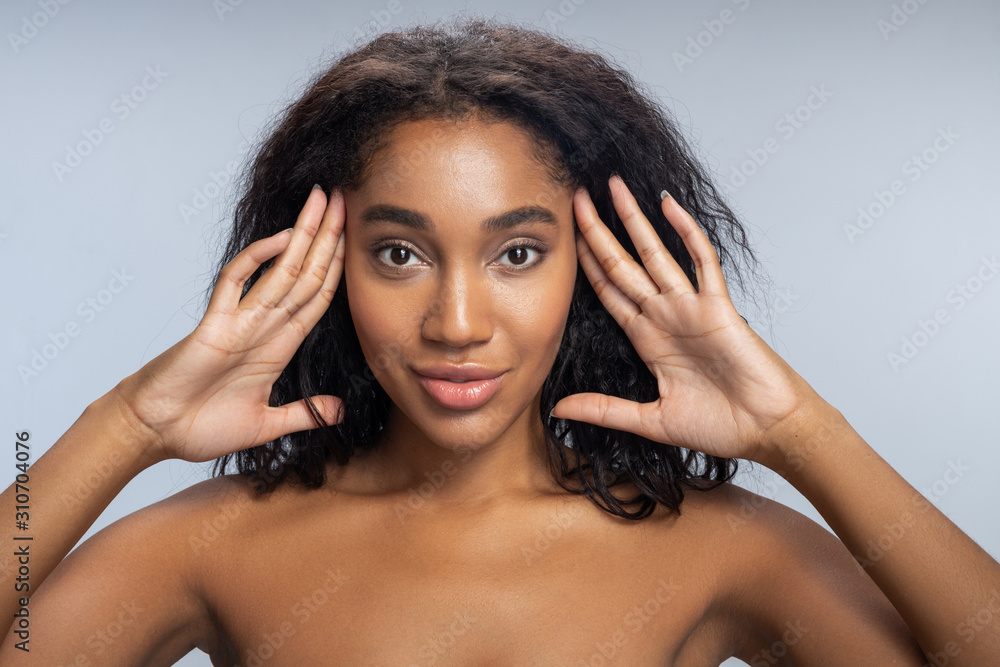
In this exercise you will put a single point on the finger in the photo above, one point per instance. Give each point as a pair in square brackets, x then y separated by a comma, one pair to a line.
[602, 410]
[308, 315]
[707, 268]
[276, 282]
[319, 262]
[622, 308]
[655, 257]
[295, 416]
[618, 265]
[229, 287]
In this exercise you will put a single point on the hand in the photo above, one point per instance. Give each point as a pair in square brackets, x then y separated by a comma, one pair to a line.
[208, 395]
[723, 391]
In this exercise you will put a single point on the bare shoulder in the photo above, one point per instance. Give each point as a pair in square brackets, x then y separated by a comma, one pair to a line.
[184, 523]
[792, 588]
[132, 592]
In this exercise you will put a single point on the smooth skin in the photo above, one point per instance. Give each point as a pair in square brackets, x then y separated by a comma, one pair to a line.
[460, 293]
[496, 565]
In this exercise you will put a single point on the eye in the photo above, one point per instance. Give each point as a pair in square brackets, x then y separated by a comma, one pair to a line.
[395, 255]
[522, 256]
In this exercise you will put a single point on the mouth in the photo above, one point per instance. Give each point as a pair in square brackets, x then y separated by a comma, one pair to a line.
[461, 393]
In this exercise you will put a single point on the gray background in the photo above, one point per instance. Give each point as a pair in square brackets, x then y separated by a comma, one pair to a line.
[837, 304]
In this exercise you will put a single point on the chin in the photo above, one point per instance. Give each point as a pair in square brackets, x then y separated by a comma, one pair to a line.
[457, 430]
[465, 432]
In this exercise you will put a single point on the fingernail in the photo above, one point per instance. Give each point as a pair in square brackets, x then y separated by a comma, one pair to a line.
[289, 230]
[317, 187]
[664, 194]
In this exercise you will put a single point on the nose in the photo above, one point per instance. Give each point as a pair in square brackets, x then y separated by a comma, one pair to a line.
[460, 313]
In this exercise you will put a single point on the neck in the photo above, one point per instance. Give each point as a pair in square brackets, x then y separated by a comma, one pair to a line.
[513, 466]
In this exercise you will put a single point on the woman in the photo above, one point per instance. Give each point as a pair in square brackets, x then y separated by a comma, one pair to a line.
[502, 481]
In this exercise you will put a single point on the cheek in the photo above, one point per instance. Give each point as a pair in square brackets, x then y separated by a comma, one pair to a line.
[536, 313]
[380, 334]
[560, 299]
[376, 319]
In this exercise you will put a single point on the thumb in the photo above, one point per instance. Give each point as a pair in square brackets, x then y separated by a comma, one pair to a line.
[600, 410]
[294, 417]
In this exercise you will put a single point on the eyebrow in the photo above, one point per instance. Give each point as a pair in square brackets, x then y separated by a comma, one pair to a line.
[385, 213]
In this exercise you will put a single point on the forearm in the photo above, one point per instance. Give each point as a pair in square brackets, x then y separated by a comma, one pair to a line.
[66, 489]
[936, 577]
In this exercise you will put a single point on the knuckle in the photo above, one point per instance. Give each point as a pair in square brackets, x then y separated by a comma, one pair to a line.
[705, 260]
[648, 253]
[290, 310]
[610, 262]
[300, 329]
[317, 272]
[231, 277]
[266, 303]
[327, 293]
[291, 270]
[229, 269]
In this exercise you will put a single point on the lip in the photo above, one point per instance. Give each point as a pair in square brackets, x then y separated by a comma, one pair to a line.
[463, 387]
[459, 372]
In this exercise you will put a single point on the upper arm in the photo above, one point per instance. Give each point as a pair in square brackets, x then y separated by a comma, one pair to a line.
[806, 597]
[128, 595]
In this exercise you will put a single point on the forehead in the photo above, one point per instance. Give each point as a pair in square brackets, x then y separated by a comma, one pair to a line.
[461, 158]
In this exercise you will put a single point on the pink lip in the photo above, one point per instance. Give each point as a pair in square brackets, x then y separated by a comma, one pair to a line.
[478, 387]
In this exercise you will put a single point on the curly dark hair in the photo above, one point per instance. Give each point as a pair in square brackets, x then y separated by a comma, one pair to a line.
[591, 120]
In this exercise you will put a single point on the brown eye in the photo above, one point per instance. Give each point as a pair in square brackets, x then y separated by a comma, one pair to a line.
[396, 256]
[518, 255]
[399, 256]
[522, 257]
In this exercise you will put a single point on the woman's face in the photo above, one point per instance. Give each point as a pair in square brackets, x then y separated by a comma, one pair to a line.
[460, 265]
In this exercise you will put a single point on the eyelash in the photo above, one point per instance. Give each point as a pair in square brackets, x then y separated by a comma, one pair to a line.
[524, 243]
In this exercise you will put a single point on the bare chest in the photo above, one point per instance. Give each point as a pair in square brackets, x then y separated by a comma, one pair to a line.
[549, 588]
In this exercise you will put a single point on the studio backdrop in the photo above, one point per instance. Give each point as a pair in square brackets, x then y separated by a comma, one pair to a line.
[857, 140]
